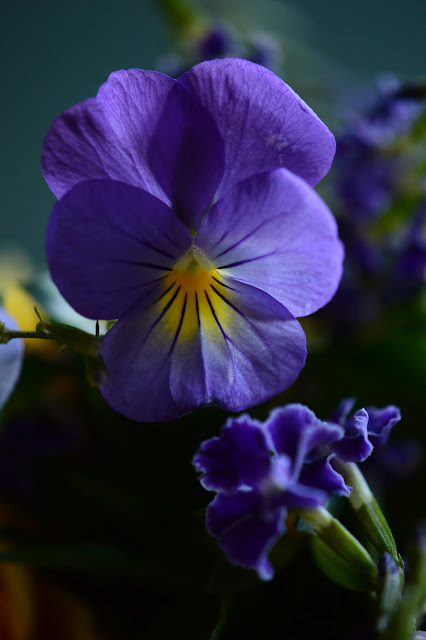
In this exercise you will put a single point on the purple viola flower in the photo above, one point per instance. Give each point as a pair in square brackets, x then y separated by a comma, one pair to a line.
[258, 471]
[11, 356]
[365, 429]
[186, 212]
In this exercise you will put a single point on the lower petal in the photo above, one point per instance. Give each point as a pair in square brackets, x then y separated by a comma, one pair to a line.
[188, 349]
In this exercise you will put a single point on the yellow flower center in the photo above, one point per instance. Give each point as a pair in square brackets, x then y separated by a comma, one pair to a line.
[192, 298]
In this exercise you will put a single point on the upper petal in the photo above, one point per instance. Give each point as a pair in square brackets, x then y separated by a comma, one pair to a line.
[274, 232]
[186, 155]
[109, 243]
[11, 356]
[263, 123]
[143, 129]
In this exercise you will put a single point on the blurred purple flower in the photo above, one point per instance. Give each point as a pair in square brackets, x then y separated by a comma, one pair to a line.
[11, 356]
[186, 212]
[367, 170]
[410, 260]
[261, 470]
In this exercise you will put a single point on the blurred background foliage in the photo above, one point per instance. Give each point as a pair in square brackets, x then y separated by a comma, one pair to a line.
[102, 519]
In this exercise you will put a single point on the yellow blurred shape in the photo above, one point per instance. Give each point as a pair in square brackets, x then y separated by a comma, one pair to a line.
[20, 304]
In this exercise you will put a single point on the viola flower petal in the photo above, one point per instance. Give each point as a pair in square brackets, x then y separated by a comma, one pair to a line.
[108, 136]
[11, 356]
[272, 231]
[264, 124]
[187, 155]
[239, 457]
[244, 531]
[109, 243]
[198, 346]
[261, 345]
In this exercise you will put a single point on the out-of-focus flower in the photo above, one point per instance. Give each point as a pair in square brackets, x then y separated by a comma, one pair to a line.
[379, 179]
[16, 274]
[186, 213]
[32, 608]
[261, 470]
[26, 440]
[369, 165]
[215, 39]
[11, 355]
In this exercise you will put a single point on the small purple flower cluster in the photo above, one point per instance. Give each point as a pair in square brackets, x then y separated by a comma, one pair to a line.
[368, 162]
[261, 470]
[378, 181]
[218, 40]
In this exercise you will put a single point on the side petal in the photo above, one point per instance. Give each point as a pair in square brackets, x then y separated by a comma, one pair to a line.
[108, 244]
[108, 136]
[184, 350]
[11, 356]
[143, 129]
[263, 123]
[275, 233]
[244, 531]
[239, 458]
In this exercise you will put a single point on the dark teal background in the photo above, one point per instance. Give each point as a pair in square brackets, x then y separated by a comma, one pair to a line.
[54, 54]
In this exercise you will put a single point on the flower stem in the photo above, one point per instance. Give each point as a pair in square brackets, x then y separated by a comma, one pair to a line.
[181, 13]
[9, 334]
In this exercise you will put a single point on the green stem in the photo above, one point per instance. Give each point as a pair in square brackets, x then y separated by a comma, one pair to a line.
[9, 334]
[181, 13]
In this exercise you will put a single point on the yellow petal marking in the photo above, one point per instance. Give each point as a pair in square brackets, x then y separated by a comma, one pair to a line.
[191, 302]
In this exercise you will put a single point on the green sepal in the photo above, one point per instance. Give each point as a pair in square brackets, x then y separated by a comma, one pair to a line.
[377, 530]
[368, 512]
[337, 569]
[76, 339]
[336, 536]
